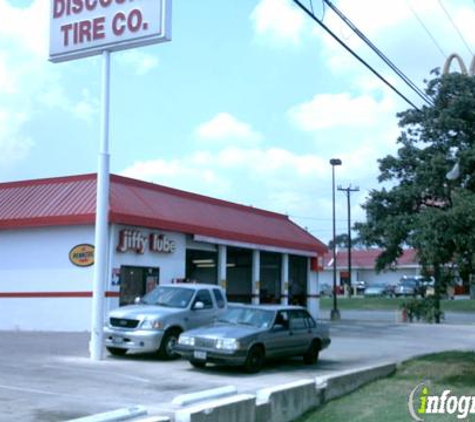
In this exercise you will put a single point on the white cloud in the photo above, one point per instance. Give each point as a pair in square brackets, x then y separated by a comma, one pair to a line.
[225, 127]
[86, 108]
[276, 175]
[140, 61]
[326, 111]
[275, 179]
[14, 146]
[27, 25]
[278, 22]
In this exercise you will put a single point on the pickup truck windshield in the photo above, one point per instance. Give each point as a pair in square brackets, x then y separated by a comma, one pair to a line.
[171, 297]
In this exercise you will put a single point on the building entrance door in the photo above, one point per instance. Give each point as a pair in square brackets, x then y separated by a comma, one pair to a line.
[136, 282]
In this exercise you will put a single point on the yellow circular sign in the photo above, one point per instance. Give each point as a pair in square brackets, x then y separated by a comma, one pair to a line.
[82, 255]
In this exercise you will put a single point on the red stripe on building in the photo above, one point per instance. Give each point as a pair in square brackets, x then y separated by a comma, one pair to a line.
[43, 295]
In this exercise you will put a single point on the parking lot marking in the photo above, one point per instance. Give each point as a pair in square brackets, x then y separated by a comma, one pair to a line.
[34, 390]
[116, 375]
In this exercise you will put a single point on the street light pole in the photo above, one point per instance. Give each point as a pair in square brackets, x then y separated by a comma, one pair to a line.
[334, 314]
[348, 191]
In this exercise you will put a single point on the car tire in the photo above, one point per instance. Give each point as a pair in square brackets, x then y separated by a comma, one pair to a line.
[312, 354]
[167, 345]
[197, 364]
[115, 351]
[254, 360]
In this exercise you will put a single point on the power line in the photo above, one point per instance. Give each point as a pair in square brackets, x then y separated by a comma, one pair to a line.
[455, 26]
[426, 29]
[356, 56]
[379, 53]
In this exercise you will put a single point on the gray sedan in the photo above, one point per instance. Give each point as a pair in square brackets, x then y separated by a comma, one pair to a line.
[247, 335]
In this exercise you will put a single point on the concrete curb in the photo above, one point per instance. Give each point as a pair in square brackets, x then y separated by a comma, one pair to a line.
[186, 399]
[230, 409]
[115, 415]
[349, 381]
[286, 402]
[281, 403]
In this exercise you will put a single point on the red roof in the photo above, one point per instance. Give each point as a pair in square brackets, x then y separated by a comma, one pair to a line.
[366, 258]
[71, 200]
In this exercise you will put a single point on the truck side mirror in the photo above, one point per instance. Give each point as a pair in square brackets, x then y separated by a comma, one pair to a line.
[198, 305]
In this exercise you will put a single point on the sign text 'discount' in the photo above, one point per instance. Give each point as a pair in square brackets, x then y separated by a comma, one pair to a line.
[81, 28]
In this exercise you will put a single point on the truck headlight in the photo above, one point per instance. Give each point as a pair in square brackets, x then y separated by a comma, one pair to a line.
[186, 340]
[151, 324]
[227, 344]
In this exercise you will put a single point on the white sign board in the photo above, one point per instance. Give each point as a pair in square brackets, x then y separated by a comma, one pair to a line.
[81, 28]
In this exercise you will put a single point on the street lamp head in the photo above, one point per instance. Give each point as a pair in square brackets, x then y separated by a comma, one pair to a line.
[335, 162]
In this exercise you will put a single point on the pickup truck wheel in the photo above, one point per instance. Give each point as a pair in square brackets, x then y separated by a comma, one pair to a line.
[254, 360]
[197, 364]
[311, 356]
[115, 351]
[167, 345]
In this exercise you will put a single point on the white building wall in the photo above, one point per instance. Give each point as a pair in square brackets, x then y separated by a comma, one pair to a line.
[41, 289]
[370, 276]
[35, 266]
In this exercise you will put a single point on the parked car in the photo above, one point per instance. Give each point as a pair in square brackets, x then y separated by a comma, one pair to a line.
[359, 287]
[376, 290]
[413, 286]
[247, 335]
[156, 321]
[325, 290]
[379, 290]
[408, 287]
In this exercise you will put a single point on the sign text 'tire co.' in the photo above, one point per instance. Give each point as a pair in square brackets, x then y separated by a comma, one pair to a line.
[81, 28]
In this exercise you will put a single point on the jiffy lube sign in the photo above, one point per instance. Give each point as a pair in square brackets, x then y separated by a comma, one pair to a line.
[81, 28]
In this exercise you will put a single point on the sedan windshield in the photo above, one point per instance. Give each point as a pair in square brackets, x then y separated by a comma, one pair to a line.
[169, 297]
[258, 318]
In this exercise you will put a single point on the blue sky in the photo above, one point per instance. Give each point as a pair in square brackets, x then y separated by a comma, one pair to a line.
[247, 103]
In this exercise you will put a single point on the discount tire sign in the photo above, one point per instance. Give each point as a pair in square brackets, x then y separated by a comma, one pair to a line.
[81, 28]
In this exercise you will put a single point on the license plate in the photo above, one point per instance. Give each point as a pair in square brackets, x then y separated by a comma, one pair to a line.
[199, 355]
[117, 340]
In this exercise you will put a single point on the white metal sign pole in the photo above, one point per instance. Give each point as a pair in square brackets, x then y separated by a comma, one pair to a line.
[86, 28]
[102, 221]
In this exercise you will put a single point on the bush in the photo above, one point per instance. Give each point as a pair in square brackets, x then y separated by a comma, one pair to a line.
[421, 309]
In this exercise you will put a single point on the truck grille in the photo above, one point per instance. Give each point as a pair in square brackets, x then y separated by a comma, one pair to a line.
[204, 342]
[124, 323]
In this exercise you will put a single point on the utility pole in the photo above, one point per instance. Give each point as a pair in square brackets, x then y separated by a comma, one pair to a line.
[348, 191]
[335, 313]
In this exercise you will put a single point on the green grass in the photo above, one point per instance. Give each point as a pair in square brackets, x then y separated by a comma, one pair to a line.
[387, 399]
[381, 303]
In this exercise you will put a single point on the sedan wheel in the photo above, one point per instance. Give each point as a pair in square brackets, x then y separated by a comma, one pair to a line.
[197, 364]
[255, 360]
[311, 357]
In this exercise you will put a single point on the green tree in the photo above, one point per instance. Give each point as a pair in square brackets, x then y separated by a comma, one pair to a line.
[341, 241]
[419, 205]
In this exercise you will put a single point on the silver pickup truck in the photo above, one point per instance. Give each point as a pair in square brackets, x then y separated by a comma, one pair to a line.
[156, 321]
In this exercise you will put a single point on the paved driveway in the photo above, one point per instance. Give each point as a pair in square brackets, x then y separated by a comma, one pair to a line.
[456, 318]
[49, 377]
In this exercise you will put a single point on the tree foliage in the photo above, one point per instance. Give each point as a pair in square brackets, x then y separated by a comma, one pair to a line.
[418, 205]
[342, 241]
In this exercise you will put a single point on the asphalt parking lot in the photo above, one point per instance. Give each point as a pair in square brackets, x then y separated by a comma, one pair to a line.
[49, 377]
